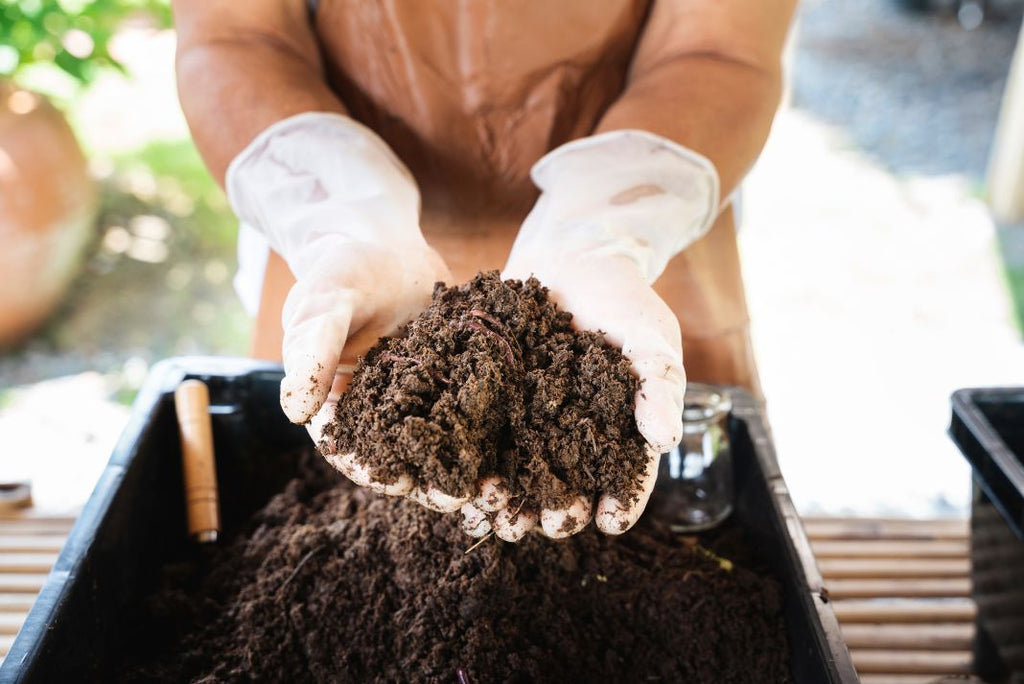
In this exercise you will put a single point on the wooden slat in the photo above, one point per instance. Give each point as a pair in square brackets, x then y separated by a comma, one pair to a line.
[33, 527]
[940, 637]
[33, 515]
[884, 528]
[26, 562]
[14, 602]
[10, 623]
[898, 588]
[912, 662]
[21, 583]
[840, 568]
[886, 548]
[16, 543]
[858, 611]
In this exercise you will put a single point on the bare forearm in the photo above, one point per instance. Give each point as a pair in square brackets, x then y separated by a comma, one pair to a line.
[708, 75]
[720, 108]
[235, 78]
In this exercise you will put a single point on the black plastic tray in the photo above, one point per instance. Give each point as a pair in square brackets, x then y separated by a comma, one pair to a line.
[988, 426]
[78, 626]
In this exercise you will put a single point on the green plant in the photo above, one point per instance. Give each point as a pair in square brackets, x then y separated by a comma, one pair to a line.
[72, 36]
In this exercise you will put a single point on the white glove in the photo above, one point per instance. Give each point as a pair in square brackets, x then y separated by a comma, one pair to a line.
[614, 209]
[342, 210]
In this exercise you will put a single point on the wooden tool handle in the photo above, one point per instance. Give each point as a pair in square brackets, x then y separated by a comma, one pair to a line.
[192, 403]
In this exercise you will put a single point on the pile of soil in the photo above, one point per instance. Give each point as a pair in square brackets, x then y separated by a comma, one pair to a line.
[332, 583]
[492, 380]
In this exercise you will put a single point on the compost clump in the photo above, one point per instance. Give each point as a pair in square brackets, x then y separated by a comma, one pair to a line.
[492, 379]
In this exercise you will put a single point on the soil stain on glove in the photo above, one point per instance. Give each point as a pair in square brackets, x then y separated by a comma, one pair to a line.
[493, 380]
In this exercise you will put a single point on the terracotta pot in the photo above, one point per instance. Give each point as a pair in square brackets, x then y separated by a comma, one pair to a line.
[48, 205]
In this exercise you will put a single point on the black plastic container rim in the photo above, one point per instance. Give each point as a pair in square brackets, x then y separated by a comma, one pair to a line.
[998, 471]
[166, 375]
[830, 637]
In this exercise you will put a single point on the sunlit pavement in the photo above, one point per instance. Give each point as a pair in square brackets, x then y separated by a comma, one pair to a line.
[58, 434]
[873, 298]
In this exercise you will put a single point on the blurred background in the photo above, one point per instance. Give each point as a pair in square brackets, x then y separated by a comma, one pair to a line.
[878, 279]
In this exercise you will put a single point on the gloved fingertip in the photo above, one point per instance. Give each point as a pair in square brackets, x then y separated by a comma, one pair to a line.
[301, 398]
[400, 487]
[659, 415]
[511, 526]
[317, 426]
[435, 499]
[443, 502]
[613, 516]
[562, 523]
[475, 522]
[492, 495]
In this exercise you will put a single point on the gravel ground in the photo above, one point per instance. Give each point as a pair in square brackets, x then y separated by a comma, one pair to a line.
[916, 91]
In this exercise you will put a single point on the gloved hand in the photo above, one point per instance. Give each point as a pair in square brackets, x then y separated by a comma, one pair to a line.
[614, 209]
[336, 203]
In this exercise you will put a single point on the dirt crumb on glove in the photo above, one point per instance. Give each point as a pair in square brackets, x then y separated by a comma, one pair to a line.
[493, 380]
[329, 583]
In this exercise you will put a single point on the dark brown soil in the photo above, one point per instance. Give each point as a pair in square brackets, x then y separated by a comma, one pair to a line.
[333, 584]
[492, 380]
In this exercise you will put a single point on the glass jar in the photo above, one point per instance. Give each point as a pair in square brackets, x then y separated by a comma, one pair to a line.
[695, 479]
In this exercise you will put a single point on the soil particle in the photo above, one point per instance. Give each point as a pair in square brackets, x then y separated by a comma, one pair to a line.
[492, 380]
[330, 583]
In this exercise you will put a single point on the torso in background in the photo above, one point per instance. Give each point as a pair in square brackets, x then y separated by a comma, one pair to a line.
[471, 94]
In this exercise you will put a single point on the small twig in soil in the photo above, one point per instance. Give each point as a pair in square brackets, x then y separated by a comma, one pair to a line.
[589, 425]
[480, 541]
[463, 676]
[513, 514]
[299, 566]
[590, 474]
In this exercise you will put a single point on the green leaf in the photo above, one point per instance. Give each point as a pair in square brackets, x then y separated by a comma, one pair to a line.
[76, 67]
[35, 28]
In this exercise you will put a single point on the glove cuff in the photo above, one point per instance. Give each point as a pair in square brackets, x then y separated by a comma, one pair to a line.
[629, 191]
[322, 175]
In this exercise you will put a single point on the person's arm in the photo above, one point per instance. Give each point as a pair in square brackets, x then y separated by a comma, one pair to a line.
[707, 75]
[617, 206]
[328, 194]
[243, 66]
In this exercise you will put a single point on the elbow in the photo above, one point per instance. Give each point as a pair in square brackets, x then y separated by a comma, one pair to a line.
[198, 53]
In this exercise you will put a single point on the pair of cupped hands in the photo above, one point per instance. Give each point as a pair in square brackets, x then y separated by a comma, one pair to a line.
[343, 211]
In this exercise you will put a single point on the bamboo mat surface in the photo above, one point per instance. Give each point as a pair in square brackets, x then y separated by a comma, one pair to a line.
[900, 588]
[29, 544]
